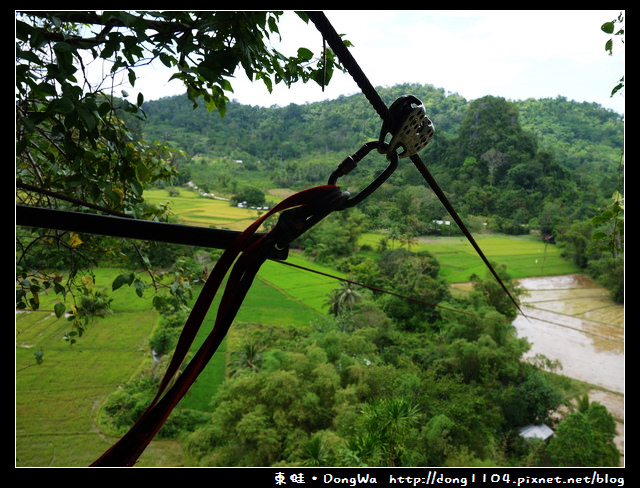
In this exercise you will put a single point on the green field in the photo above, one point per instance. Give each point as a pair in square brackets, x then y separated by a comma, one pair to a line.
[524, 256]
[57, 401]
[258, 306]
[192, 209]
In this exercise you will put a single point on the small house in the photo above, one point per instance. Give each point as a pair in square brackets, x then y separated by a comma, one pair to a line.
[532, 431]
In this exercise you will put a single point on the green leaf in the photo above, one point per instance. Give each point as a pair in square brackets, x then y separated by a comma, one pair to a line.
[166, 60]
[273, 25]
[123, 279]
[62, 106]
[603, 217]
[132, 77]
[139, 286]
[142, 172]
[88, 118]
[303, 15]
[208, 74]
[59, 308]
[304, 54]
[607, 27]
[268, 83]
[608, 46]
[617, 88]
[108, 50]
[46, 89]
[136, 188]
[104, 108]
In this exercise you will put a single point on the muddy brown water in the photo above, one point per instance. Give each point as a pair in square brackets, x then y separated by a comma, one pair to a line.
[572, 319]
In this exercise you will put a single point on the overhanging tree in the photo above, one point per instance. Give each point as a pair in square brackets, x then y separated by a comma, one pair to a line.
[74, 150]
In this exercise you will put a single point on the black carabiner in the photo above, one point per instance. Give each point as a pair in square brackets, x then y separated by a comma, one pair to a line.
[352, 161]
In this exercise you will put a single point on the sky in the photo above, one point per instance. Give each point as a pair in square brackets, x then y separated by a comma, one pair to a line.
[515, 54]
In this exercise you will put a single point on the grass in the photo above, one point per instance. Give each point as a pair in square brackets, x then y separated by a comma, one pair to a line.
[190, 208]
[57, 401]
[309, 288]
[524, 256]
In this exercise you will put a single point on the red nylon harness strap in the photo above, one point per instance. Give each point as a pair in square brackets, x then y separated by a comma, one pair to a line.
[248, 254]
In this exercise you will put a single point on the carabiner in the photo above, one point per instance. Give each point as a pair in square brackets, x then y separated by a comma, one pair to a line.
[350, 162]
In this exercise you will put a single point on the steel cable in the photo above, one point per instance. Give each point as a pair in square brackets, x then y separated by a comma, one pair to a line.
[348, 61]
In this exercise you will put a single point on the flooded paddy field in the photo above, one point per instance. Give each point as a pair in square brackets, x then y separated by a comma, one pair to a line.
[572, 319]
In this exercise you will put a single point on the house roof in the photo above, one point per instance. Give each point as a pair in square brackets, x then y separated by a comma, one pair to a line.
[541, 431]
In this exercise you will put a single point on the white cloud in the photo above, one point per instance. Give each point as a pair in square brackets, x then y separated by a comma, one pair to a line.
[515, 54]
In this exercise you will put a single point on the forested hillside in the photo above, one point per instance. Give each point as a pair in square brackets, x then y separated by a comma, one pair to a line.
[508, 166]
[285, 142]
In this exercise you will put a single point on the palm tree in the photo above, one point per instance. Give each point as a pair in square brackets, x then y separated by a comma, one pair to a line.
[248, 358]
[394, 235]
[390, 421]
[408, 239]
[343, 299]
[315, 453]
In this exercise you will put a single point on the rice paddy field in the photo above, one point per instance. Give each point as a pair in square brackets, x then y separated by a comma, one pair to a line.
[59, 398]
[524, 256]
[190, 208]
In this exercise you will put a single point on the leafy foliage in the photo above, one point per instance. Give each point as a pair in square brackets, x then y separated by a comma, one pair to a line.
[585, 439]
[77, 144]
[610, 28]
[123, 407]
[376, 395]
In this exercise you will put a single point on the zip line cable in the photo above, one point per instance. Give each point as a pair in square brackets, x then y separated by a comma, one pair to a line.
[337, 44]
[248, 250]
[385, 291]
[162, 232]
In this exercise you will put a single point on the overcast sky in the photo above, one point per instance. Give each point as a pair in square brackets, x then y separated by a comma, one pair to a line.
[515, 54]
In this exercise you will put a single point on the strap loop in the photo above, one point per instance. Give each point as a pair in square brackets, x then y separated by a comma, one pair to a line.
[249, 254]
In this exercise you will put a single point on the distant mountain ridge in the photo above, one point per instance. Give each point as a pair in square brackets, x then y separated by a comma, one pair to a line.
[564, 127]
[516, 165]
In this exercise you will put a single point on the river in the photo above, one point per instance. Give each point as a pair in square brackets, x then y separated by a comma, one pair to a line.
[572, 319]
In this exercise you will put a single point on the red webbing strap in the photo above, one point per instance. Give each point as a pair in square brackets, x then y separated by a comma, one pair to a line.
[128, 449]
